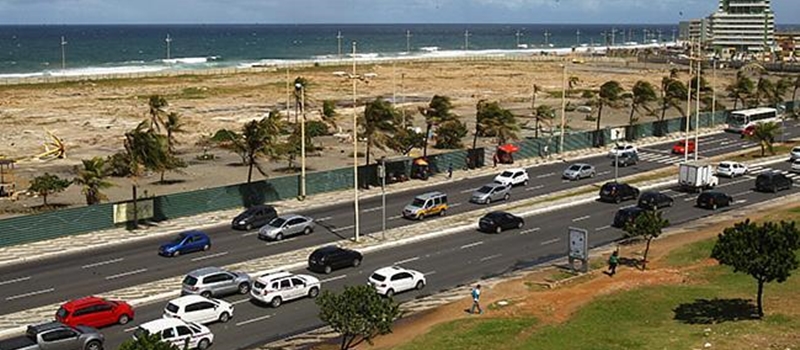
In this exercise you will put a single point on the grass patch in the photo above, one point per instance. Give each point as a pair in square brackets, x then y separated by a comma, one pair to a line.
[690, 254]
[559, 275]
[472, 334]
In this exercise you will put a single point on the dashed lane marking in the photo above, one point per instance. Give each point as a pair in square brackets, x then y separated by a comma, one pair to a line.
[21, 279]
[490, 257]
[212, 256]
[551, 241]
[602, 228]
[544, 175]
[404, 261]
[30, 294]
[581, 218]
[124, 274]
[534, 188]
[471, 245]
[333, 278]
[253, 320]
[530, 230]
[107, 262]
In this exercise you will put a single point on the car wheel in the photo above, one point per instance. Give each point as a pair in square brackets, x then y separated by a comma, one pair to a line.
[617, 200]
[421, 217]
[506, 197]
[327, 269]
[714, 206]
[124, 319]
[244, 288]
[205, 247]
[443, 212]
[176, 253]
[206, 294]
[390, 293]
[276, 302]
[225, 317]
[94, 345]
[203, 344]
[279, 237]
[525, 183]
[498, 229]
[307, 230]
[520, 224]
[313, 292]
[774, 189]
[248, 227]
[591, 174]
[356, 262]
[488, 201]
[420, 285]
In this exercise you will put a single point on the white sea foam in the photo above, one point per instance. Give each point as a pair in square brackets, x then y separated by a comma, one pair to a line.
[190, 60]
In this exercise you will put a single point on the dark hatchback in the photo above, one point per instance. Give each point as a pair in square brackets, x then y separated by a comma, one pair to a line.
[186, 242]
[655, 200]
[713, 200]
[772, 182]
[625, 159]
[254, 217]
[329, 258]
[499, 221]
[626, 215]
[617, 192]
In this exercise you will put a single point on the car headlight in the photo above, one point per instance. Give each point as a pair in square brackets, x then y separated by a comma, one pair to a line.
[242, 222]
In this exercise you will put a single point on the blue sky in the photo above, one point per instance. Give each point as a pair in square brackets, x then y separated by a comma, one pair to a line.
[365, 11]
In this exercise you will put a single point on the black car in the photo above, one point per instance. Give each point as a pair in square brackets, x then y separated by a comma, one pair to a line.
[499, 221]
[254, 217]
[654, 200]
[625, 159]
[617, 192]
[713, 200]
[626, 215]
[329, 258]
[772, 182]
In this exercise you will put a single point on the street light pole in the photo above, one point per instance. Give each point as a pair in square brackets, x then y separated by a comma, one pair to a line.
[383, 196]
[339, 42]
[355, 146]
[697, 104]
[302, 90]
[616, 166]
[63, 53]
[563, 107]
[168, 40]
[688, 104]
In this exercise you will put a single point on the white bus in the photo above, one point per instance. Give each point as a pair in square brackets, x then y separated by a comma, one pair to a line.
[740, 120]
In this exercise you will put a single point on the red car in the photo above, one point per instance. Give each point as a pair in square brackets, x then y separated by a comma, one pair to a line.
[748, 131]
[679, 147]
[94, 312]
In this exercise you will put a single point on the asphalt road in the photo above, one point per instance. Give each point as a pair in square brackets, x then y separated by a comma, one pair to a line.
[71, 276]
[449, 261]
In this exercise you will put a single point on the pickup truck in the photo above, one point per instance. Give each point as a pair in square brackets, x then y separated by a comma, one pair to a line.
[56, 336]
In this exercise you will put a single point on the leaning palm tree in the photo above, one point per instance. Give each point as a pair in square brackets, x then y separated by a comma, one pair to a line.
[157, 103]
[642, 94]
[673, 93]
[765, 134]
[610, 94]
[378, 124]
[543, 112]
[740, 89]
[259, 138]
[173, 125]
[780, 90]
[503, 126]
[573, 82]
[92, 178]
[765, 91]
[439, 110]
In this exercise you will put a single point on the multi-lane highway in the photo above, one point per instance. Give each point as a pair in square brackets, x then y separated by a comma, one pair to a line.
[53, 280]
[453, 260]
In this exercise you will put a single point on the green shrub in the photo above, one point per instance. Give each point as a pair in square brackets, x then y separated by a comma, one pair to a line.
[317, 128]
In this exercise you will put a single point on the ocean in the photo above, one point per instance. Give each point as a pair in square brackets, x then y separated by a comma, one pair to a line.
[36, 50]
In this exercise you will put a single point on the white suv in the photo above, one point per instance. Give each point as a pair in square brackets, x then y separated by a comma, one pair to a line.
[178, 333]
[275, 288]
[394, 279]
[513, 177]
[621, 148]
[194, 308]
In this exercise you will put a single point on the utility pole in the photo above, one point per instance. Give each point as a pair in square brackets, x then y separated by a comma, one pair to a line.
[673, 35]
[466, 40]
[288, 96]
[688, 104]
[402, 94]
[339, 42]
[354, 78]
[168, 40]
[546, 38]
[382, 174]
[613, 36]
[302, 89]
[408, 41]
[563, 106]
[519, 34]
[697, 103]
[578, 37]
[63, 53]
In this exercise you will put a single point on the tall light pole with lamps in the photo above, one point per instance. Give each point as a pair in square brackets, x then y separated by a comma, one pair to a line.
[63, 53]
[563, 107]
[688, 104]
[354, 77]
[302, 90]
[697, 104]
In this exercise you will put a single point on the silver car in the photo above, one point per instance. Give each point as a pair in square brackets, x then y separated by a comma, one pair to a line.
[214, 281]
[579, 171]
[491, 192]
[286, 225]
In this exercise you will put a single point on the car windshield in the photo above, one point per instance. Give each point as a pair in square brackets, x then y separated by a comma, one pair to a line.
[62, 313]
[724, 165]
[796, 150]
[259, 285]
[172, 308]
[608, 189]
[140, 333]
[277, 222]
[506, 174]
[418, 203]
[190, 280]
[178, 239]
[378, 277]
[484, 189]
[574, 168]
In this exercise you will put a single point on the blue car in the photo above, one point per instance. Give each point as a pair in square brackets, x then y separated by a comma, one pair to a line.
[186, 242]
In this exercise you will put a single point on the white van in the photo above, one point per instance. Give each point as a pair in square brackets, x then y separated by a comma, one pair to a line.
[178, 333]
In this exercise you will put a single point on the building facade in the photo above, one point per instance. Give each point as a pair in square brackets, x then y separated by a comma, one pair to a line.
[697, 30]
[743, 26]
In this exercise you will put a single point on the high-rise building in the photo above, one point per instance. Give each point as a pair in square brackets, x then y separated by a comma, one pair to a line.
[743, 25]
[697, 30]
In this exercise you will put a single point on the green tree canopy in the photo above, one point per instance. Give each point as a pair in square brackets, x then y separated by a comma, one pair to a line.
[259, 138]
[765, 134]
[493, 120]
[438, 111]
[359, 314]
[147, 342]
[642, 94]
[740, 90]
[173, 125]
[149, 149]
[673, 93]
[648, 225]
[92, 177]
[378, 124]
[48, 184]
[156, 105]
[450, 133]
[767, 252]
[610, 94]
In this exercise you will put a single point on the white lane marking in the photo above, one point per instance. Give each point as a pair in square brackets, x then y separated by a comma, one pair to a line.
[534, 188]
[455, 204]
[429, 273]
[581, 218]
[250, 233]
[544, 175]
[471, 245]
[125, 274]
[212, 256]
[237, 302]
[406, 260]
[342, 228]
[107, 262]
[530, 230]
[19, 296]
[324, 219]
[689, 199]
[565, 181]
[371, 209]
[470, 190]
[602, 228]
[554, 240]
[604, 172]
[127, 330]
[490, 257]
[742, 193]
[333, 278]
[253, 320]
[395, 217]
[15, 280]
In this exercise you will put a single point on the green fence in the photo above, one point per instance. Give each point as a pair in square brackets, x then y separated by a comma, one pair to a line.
[32, 228]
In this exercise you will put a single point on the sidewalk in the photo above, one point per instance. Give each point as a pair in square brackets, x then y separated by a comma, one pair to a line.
[100, 239]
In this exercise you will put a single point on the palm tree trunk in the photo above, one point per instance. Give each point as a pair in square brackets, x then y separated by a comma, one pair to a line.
[44, 198]
[369, 142]
[630, 118]
[161, 181]
[425, 145]
[599, 114]
[250, 169]
[646, 251]
[735, 101]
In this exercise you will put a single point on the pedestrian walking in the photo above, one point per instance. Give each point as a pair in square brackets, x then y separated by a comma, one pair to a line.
[476, 296]
[613, 261]
[450, 171]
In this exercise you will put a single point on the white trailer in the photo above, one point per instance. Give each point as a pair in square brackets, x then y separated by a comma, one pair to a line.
[695, 176]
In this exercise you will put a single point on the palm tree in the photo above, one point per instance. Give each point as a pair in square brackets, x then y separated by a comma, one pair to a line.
[673, 93]
[259, 139]
[438, 111]
[765, 90]
[573, 81]
[149, 149]
[543, 112]
[157, 104]
[92, 178]
[765, 134]
[795, 106]
[610, 94]
[503, 126]
[378, 124]
[740, 89]
[780, 90]
[642, 94]
[173, 125]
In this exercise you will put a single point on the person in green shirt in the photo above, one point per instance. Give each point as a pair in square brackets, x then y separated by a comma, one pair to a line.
[613, 261]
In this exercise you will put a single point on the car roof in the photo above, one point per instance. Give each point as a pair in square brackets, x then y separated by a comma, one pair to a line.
[205, 271]
[82, 302]
[494, 184]
[652, 193]
[430, 195]
[188, 299]
[273, 276]
[770, 174]
[712, 193]
[288, 217]
[391, 270]
[161, 324]
[513, 170]
[45, 327]
[328, 249]
[729, 162]
[580, 164]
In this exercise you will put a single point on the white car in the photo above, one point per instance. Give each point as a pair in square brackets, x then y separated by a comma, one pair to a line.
[513, 177]
[621, 148]
[197, 309]
[178, 332]
[795, 153]
[395, 279]
[275, 288]
[796, 166]
[731, 169]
